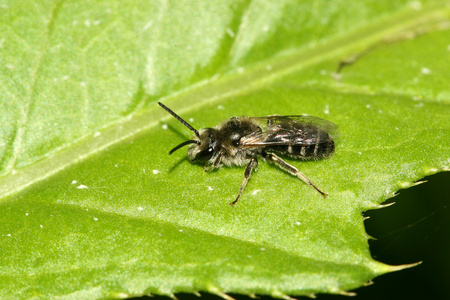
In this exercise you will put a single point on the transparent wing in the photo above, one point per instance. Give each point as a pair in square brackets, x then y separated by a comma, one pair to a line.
[289, 130]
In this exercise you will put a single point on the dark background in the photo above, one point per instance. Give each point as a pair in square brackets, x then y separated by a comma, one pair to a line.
[416, 228]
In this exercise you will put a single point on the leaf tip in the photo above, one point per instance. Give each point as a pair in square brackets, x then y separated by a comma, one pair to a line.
[368, 283]
[346, 293]
[369, 237]
[172, 296]
[280, 295]
[384, 205]
[216, 291]
[402, 267]
[407, 184]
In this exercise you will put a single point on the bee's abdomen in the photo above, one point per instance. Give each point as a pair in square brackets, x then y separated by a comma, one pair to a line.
[321, 147]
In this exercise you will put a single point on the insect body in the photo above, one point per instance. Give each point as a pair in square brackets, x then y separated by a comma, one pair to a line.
[241, 140]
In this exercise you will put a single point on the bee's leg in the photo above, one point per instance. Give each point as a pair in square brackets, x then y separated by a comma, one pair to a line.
[214, 164]
[291, 169]
[248, 172]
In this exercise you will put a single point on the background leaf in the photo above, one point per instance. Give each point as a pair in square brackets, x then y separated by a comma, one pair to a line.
[92, 205]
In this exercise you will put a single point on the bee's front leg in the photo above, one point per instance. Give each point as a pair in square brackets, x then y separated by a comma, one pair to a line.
[213, 165]
[248, 172]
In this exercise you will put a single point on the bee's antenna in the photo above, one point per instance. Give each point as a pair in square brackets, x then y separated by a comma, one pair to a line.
[182, 145]
[182, 122]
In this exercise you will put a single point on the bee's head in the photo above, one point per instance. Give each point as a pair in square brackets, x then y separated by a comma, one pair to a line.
[204, 147]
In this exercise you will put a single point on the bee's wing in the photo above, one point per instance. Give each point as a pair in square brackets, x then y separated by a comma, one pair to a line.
[325, 125]
[288, 130]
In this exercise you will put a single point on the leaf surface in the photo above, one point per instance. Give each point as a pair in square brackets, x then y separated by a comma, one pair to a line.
[93, 207]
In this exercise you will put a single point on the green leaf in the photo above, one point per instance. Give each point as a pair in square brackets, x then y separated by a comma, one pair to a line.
[93, 207]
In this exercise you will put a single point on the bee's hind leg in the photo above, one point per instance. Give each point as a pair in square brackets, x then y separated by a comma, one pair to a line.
[291, 169]
[248, 172]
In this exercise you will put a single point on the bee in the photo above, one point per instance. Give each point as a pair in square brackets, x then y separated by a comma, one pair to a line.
[242, 140]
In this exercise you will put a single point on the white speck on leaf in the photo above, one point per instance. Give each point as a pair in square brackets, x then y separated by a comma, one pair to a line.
[140, 208]
[327, 109]
[97, 134]
[210, 188]
[191, 120]
[155, 172]
[415, 5]
[41, 226]
[82, 186]
[255, 192]
[164, 126]
[220, 107]
[425, 71]
[74, 181]
[148, 25]
[95, 219]
[230, 32]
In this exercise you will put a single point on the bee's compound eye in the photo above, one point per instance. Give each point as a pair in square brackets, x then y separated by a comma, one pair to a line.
[235, 143]
[205, 155]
